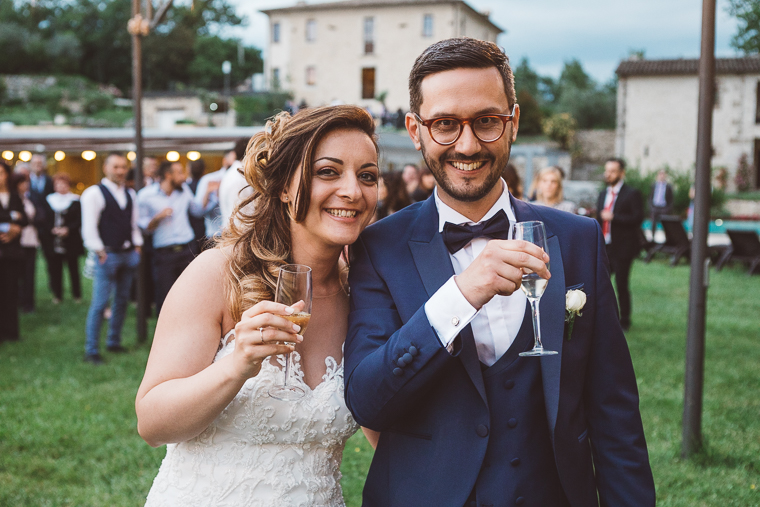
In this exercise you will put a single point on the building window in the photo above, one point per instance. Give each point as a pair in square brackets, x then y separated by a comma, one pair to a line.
[275, 79]
[311, 75]
[368, 83]
[369, 36]
[311, 30]
[276, 32]
[427, 25]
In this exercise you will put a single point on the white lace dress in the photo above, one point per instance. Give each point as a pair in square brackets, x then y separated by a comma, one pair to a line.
[262, 452]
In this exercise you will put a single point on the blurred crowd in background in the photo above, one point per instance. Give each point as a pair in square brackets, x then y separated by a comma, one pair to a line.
[176, 214]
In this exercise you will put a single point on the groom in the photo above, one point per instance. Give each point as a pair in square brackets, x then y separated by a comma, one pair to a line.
[438, 319]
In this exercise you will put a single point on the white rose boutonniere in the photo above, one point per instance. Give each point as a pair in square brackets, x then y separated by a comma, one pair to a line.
[575, 300]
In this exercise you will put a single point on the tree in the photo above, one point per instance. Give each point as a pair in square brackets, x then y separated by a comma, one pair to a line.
[89, 38]
[530, 114]
[205, 70]
[747, 39]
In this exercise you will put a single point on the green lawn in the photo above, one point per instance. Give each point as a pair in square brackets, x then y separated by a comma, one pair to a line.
[67, 429]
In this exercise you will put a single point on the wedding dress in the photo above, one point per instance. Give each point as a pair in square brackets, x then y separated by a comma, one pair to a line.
[262, 452]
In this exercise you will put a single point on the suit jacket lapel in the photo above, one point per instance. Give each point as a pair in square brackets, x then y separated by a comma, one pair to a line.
[434, 266]
[552, 308]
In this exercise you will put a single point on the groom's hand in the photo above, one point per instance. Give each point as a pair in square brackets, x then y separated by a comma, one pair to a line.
[499, 269]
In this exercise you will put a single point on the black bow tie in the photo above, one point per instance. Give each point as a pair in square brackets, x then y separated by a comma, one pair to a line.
[456, 237]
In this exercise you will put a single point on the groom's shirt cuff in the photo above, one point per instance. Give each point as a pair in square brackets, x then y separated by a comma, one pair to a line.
[448, 312]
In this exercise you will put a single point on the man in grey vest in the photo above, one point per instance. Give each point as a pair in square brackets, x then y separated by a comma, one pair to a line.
[109, 231]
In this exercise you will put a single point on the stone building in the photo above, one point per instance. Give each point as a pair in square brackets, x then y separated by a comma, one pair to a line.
[657, 106]
[356, 50]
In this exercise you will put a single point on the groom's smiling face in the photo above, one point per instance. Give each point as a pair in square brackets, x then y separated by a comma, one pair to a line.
[469, 169]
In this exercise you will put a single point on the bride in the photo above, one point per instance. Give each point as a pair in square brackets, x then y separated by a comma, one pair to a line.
[220, 337]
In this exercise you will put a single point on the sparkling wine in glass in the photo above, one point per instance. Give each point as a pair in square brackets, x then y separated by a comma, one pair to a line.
[533, 285]
[293, 286]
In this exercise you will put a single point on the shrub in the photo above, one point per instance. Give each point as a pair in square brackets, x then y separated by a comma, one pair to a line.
[743, 178]
[561, 128]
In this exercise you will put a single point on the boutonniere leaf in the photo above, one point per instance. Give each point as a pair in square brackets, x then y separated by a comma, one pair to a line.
[575, 300]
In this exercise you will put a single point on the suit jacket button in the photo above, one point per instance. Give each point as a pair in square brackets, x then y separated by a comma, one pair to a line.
[407, 358]
[482, 430]
[413, 350]
[398, 372]
[401, 361]
[515, 462]
[509, 384]
[519, 500]
[512, 423]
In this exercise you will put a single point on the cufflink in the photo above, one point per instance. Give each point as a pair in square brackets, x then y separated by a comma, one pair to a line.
[455, 321]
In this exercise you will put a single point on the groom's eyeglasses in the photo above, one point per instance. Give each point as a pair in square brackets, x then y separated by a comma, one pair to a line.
[487, 128]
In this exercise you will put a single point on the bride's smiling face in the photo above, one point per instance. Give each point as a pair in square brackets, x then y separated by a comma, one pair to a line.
[343, 189]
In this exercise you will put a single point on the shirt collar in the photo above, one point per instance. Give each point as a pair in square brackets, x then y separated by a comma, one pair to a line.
[617, 187]
[448, 214]
[113, 187]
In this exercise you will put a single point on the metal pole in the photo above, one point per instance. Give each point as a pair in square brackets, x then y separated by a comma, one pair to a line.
[695, 339]
[142, 309]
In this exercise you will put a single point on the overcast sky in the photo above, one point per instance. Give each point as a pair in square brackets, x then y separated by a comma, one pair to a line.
[599, 33]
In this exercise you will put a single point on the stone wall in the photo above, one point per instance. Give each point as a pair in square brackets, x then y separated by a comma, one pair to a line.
[592, 148]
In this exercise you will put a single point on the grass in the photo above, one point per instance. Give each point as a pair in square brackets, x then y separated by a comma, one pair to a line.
[68, 438]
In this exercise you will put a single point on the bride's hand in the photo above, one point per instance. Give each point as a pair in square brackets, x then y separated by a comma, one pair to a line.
[263, 332]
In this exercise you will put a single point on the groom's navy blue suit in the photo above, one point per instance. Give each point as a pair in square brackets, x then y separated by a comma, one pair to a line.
[551, 431]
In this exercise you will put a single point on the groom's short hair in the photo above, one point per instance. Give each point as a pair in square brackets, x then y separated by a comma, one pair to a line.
[459, 53]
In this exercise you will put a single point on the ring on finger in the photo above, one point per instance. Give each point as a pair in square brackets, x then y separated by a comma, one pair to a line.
[261, 335]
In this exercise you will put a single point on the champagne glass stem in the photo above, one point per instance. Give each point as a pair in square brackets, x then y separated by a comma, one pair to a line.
[287, 369]
[536, 323]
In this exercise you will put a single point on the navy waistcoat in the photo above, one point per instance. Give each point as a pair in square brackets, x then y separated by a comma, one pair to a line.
[115, 225]
[519, 466]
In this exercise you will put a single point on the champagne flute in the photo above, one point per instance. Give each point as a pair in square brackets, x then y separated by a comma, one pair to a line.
[293, 286]
[533, 285]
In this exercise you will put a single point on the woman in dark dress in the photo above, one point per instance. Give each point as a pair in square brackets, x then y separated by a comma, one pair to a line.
[12, 220]
[64, 221]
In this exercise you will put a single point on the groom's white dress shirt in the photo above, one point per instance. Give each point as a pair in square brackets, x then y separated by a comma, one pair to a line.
[497, 323]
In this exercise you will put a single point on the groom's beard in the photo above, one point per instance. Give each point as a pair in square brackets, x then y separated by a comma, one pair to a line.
[467, 192]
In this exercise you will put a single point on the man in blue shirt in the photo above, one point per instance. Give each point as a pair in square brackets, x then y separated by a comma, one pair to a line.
[163, 211]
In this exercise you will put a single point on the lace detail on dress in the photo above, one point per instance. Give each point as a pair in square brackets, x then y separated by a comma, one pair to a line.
[263, 452]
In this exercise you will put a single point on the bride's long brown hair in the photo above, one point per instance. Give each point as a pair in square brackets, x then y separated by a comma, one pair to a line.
[257, 239]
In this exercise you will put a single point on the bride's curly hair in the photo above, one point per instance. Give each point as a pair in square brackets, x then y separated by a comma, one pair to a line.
[257, 240]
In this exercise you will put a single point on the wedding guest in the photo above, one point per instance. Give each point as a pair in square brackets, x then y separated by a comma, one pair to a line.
[533, 189]
[660, 199]
[550, 191]
[149, 169]
[426, 186]
[109, 229]
[29, 243]
[164, 211]
[233, 188]
[196, 168]
[382, 195]
[41, 185]
[397, 198]
[12, 221]
[411, 176]
[217, 341]
[620, 211]
[64, 221]
[207, 196]
[513, 181]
